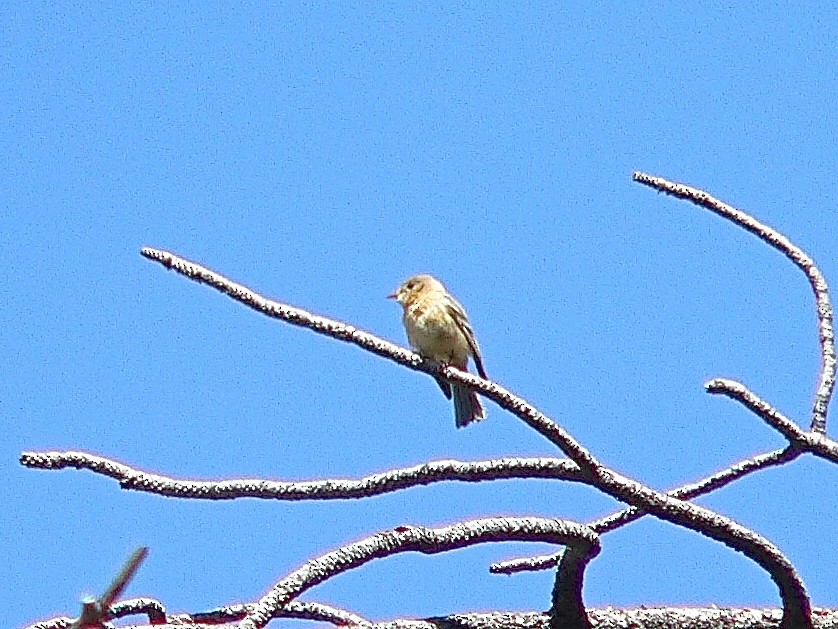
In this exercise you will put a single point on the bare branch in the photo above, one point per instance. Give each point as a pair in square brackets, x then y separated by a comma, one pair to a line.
[704, 486]
[330, 489]
[53, 623]
[765, 554]
[715, 526]
[815, 442]
[293, 609]
[527, 564]
[287, 313]
[151, 608]
[610, 618]
[322, 613]
[626, 516]
[826, 333]
[419, 539]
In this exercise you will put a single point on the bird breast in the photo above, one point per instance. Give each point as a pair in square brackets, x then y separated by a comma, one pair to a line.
[434, 334]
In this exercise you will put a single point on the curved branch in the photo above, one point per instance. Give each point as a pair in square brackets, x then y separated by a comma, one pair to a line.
[792, 591]
[293, 609]
[331, 489]
[419, 539]
[826, 333]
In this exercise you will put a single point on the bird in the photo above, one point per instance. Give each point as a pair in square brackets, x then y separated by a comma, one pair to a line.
[438, 328]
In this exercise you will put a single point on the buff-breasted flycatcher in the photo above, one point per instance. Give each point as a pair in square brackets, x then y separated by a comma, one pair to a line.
[438, 328]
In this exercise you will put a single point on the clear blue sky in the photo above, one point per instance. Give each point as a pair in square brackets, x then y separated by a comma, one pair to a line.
[320, 155]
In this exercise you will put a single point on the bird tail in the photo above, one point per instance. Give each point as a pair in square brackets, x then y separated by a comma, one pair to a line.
[467, 406]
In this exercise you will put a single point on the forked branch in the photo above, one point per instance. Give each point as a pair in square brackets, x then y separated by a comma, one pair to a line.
[629, 515]
[814, 442]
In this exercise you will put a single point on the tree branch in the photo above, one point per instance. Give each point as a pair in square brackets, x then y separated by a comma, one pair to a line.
[419, 539]
[826, 333]
[330, 489]
[293, 609]
[626, 516]
[792, 590]
[815, 442]
[567, 609]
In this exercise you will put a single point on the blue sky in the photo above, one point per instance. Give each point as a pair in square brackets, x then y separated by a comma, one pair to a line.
[320, 155]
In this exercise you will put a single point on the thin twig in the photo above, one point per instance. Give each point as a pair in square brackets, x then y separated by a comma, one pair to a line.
[826, 332]
[330, 489]
[121, 581]
[96, 611]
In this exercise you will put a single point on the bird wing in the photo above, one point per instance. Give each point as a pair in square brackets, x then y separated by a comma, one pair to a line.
[459, 315]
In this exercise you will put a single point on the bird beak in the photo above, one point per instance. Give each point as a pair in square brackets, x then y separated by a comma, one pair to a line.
[393, 296]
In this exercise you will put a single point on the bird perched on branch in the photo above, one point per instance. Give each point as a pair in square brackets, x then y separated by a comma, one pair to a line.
[438, 328]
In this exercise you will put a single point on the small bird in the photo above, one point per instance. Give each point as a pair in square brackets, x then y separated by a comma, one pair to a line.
[438, 328]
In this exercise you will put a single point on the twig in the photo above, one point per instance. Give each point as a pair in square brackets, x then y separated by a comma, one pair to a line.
[96, 611]
[826, 333]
